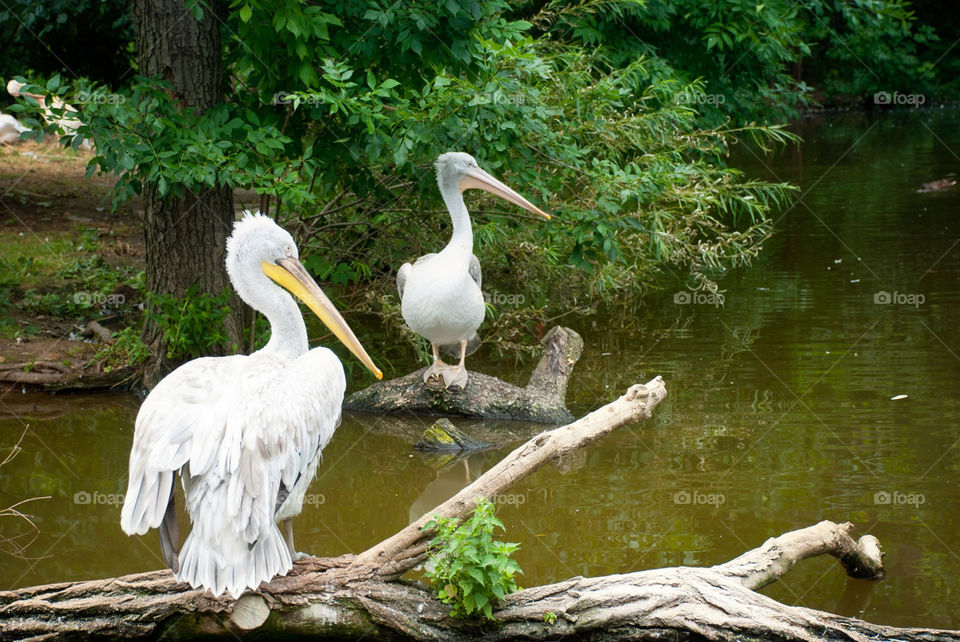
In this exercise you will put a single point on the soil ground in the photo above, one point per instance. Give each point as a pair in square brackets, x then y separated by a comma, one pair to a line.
[54, 223]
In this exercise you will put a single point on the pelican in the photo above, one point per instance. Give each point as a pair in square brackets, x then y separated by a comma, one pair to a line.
[244, 432]
[10, 129]
[440, 296]
[68, 126]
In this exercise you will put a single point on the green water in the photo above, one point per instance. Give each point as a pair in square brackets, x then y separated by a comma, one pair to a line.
[779, 412]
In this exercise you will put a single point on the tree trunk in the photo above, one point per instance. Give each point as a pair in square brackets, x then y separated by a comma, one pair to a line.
[185, 237]
[360, 596]
[542, 400]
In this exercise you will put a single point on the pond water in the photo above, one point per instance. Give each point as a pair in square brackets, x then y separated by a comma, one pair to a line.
[779, 415]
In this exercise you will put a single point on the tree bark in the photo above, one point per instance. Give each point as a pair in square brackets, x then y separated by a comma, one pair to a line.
[542, 400]
[185, 237]
[356, 596]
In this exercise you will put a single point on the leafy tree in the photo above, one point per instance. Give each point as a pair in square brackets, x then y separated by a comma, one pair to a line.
[334, 112]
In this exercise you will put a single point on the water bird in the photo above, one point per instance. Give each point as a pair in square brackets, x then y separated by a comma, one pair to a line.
[244, 432]
[440, 296]
[68, 126]
[10, 129]
[938, 185]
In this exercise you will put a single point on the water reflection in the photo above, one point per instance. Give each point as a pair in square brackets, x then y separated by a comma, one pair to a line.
[780, 411]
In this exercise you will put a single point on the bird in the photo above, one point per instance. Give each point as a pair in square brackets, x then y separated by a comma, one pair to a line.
[938, 186]
[244, 432]
[10, 129]
[440, 297]
[68, 126]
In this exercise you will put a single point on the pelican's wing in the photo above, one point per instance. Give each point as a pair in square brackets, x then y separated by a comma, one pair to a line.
[185, 405]
[402, 275]
[474, 269]
[406, 268]
[284, 414]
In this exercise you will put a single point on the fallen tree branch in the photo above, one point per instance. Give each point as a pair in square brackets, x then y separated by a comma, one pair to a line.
[541, 400]
[393, 556]
[321, 598]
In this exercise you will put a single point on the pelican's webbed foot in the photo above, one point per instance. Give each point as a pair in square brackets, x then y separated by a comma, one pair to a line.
[454, 376]
[435, 372]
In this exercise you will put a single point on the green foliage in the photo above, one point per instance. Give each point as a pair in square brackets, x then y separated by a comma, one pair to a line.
[550, 617]
[615, 116]
[193, 324]
[468, 568]
[127, 349]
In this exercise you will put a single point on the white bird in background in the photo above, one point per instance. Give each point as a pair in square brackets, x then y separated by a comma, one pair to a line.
[440, 295]
[244, 432]
[10, 129]
[68, 126]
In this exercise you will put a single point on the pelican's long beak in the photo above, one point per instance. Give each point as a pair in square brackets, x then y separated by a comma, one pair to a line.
[290, 274]
[479, 179]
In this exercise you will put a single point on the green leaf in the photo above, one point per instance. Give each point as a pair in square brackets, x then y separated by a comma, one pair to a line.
[246, 12]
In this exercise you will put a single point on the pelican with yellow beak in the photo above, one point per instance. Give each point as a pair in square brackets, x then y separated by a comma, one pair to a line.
[440, 296]
[244, 432]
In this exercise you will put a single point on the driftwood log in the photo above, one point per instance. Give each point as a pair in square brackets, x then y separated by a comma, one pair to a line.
[355, 596]
[541, 400]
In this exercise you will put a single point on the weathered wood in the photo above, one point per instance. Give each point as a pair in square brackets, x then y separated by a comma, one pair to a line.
[541, 400]
[322, 598]
[391, 557]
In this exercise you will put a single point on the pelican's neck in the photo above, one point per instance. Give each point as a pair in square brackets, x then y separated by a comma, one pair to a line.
[288, 333]
[461, 241]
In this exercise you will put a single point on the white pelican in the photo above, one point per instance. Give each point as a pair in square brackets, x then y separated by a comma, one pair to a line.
[68, 126]
[440, 294]
[244, 432]
[10, 129]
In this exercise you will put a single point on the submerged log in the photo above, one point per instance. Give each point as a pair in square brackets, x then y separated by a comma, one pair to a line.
[356, 596]
[444, 437]
[541, 400]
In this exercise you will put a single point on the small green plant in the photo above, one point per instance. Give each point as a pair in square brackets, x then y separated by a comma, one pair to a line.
[468, 568]
[192, 324]
[550, 617]
[128, 349]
